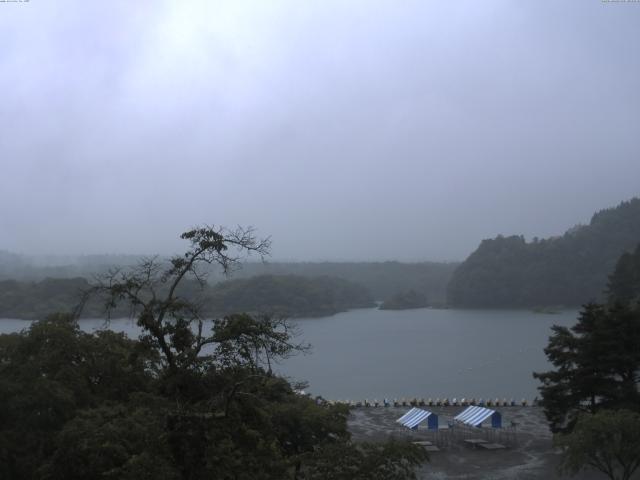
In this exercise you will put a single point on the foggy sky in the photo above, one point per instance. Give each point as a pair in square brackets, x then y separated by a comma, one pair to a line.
[346, 130]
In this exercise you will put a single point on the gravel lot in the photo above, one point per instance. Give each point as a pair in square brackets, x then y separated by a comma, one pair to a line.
[530, 455]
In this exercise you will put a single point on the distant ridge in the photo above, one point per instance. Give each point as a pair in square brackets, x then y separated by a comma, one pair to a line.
[382, 279]
[559, 271]
[281, 295]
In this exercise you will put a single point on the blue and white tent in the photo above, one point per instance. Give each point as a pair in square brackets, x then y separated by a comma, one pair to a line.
[416, 416]
[475, 415]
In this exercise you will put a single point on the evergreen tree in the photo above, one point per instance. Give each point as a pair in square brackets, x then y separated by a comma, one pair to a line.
[624, 283]
[597, 365]
[597, 361]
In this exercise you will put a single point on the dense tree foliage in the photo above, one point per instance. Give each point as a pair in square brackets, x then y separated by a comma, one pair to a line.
[597, 361]
[624, 283]
[366, 461]
[608, 441]
[405, 300]
[77, 405]
[49, 374]
[180, 402]
[567, 270]
[597, 365]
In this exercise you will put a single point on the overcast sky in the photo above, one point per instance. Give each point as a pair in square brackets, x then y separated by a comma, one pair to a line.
[346, 130]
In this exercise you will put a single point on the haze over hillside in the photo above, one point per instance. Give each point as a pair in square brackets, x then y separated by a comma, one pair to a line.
[569, 270]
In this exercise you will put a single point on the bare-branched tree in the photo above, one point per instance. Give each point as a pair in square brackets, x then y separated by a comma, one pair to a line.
[170, 320]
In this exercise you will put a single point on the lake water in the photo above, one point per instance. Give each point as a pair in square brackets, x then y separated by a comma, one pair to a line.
[370, 353]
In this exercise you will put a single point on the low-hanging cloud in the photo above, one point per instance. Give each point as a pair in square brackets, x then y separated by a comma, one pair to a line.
[358, 130]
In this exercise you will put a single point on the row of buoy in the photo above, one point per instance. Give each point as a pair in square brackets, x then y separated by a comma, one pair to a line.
[445, 402]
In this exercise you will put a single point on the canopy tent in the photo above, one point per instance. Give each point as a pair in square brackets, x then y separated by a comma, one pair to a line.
[416, 416]
[474, 416]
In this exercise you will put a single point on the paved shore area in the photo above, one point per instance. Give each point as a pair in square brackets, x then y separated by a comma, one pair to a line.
[528, 452]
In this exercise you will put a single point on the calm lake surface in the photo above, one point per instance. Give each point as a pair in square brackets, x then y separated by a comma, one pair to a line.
[370, 353]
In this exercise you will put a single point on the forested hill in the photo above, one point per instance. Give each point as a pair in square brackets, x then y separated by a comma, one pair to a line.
[382, 279]
[567, 270]
[282, 295]
[287, 295]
